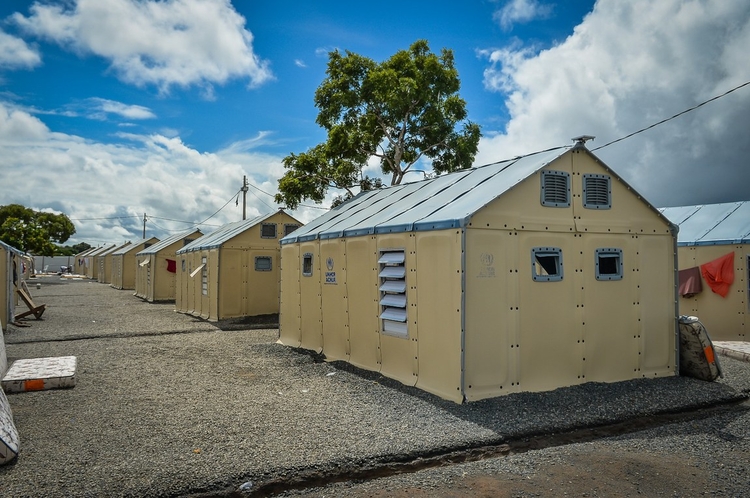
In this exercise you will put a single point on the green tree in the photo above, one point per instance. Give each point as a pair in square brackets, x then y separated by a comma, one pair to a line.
[400, 111]
[33, 231]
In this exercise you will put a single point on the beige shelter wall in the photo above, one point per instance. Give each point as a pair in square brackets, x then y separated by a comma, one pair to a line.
[399, 356]
[251, 238]
[363, 302]
[261, 288]
[228, 285]
[162, 286]
[116, 279]
[437, 311]
[724, 317]
[290, 298]
[334, 299]
[194, 282]
[311, 323]
[523, 335]
[180, 284]
[142, 276]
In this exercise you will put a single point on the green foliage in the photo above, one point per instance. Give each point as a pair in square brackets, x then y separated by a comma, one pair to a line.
[71, 250]
[33, 231]
[399, 111]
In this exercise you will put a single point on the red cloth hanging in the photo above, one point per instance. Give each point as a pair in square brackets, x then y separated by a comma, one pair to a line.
[719, 274]
[690, 282]
[172, 266]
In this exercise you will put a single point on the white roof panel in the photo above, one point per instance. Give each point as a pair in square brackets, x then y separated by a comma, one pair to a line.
[711, 224]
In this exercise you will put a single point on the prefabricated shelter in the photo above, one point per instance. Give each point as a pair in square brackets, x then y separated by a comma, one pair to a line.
[156, 267]
[234, 271]
[10, 270]
[714, 261]
[105, 264]
[525, 275]
[79, 267]
[123, 263]
[92, 261]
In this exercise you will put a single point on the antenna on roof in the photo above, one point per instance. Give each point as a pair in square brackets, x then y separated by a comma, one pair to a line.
[580, 142]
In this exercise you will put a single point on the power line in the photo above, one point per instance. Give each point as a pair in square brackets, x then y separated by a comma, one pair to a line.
[673, 117]
[274, 197]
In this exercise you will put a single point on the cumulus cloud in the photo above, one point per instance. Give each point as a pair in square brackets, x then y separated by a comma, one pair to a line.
[161, 43]
[16, 53]
[622, 70]
[100, 108]
[521, 11]
[106, 188]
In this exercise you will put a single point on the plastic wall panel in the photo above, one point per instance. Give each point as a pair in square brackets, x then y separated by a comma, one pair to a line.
[549, 339]
[399, 355]
[5, 284]
[311, 314]
[657, 307]
[230, 289]
[180, 298]
[334, 299]
[193, 281]
[289, 305]
[610, 343]
[260, 288]
[492, 273]
[362, 284]
[438, 310]
[725, 318]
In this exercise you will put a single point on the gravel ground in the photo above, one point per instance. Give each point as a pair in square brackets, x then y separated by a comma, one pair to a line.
[169, 405]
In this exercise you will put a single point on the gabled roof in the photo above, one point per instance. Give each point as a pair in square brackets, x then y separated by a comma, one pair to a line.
[153, 249]
[113, 249]
[711, 224]
[224, 233]
[99, 250]
[132, 245]
[10, 248]
[446, 201]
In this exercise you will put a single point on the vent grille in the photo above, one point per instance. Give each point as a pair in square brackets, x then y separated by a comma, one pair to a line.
[596, 192]
[393, 292]
[555, 189]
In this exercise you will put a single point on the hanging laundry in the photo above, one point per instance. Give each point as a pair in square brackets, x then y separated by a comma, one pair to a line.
[172, 266]
[690, 282]
[719, 274]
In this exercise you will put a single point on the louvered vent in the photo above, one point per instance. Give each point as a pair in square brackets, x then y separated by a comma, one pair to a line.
[555, 189]
[393, 292]
[597, 193]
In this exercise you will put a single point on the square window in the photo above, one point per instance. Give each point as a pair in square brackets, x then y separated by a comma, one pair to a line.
[546, 264]
[268, 231]
[307, 268]
[555, 188]
[289, 228]
[609, 264]
[597, 193]
[263, 263]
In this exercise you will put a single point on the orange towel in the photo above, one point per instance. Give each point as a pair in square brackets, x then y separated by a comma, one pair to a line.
[719, 274]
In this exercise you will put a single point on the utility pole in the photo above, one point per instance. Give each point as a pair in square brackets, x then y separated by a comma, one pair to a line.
[144, 226]
[244, 196]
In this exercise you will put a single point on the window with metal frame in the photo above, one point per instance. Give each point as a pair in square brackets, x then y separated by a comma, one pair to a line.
[546, 264]
[307, 264]
[392, 263]
[555, 188]
[204, 276]
[268, 230]
[289, 228]
[597, 191]
[263, 263]
[608, 263]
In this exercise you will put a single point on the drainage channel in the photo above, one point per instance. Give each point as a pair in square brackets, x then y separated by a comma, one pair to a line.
[365, 471]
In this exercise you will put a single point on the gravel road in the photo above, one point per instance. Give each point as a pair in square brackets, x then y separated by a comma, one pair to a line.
[170, 405]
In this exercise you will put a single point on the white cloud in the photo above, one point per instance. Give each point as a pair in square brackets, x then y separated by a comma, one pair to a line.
[16, 53]
[153, 174]
[161, 43]
[300, 63]
[521, 11]
[100, 108]
[622, 70]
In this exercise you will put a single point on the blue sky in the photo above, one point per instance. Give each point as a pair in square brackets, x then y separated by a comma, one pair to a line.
[114, 108]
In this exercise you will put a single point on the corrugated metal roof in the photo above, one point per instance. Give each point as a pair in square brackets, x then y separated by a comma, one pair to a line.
[711, 224]
[447, 201]
[224, 233]
[153, 249]
[99, 251]
[127, 248]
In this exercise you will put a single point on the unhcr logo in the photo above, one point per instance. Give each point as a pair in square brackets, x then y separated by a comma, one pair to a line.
[330, 274]
[487, 271]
